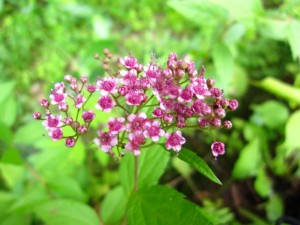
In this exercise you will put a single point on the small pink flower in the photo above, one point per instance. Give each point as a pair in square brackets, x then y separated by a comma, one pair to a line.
[152, 71]
[105, 103]
[158, 112]
[107, 85]
[218, 148]
[174, 141]
[153, 130]
[79, 101]
[62, 106]
[136, 139]
[57, 97]
[56, 134]
[106, 141]
[116, 125]
[129, 62]
[136, 122]
[135, 98]
[52, 122]
[70, 142]
[186, 95]
[59, 87]
[88, 116]
[197, 106]
[91, 88]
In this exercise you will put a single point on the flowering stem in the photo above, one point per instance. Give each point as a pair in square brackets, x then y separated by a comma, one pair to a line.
[136, 175]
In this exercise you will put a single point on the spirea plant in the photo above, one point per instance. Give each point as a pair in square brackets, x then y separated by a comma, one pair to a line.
[154, 103]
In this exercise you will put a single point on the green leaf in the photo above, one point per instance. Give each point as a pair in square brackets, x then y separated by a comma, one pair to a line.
[249, 160]
[12, 156]
[241, 10]
[161, 205]
[67, 212]
[265, 113]
[224, 64]
[200, 12]
[26, 203]
[198, 163]
[274, 28]
[7, 89]
[293, 38]
[234, 33]
[113, 206]
[274, 208]
[67, 187]
[292, 131]
[151, 165]
[6, 137]
[8, 112]
[263, 183]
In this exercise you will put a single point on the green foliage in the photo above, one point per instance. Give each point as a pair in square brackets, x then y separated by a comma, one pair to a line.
[151, 165]
[149, 206]
[58, 212]
[198, 163]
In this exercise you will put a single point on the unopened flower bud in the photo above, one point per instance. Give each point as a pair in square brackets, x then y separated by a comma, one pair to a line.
[70, 142]
[215, 122]
[96, 56]
[37, 115]
[75, 125]
[227, 124]
[220, 113]
[45, 103]
[210, 82]
[233, 104]
[68, 78]
[83, 79]
[82, 129]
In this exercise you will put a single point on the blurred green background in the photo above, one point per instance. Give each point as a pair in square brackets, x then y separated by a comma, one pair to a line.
[251, 48]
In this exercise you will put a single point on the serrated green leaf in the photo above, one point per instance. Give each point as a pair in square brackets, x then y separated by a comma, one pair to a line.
[67, 212]
[292, 130]
[161, 205]
[198, 163]
[113, 206]
[151, 165]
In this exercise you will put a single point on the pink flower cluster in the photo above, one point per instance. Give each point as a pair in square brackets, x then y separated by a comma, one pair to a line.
[156, 103]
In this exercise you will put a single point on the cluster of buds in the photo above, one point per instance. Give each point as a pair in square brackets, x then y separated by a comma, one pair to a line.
[156, 103]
